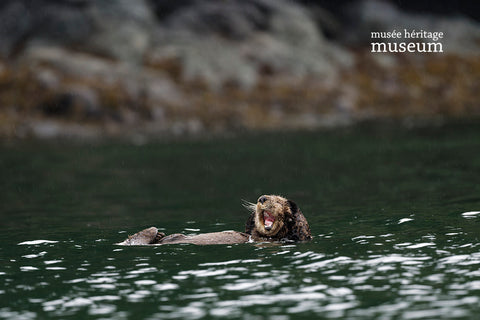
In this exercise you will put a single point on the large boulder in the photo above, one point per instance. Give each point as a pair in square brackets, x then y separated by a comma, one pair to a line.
[236, 41]
[118, 29]
[25, 22]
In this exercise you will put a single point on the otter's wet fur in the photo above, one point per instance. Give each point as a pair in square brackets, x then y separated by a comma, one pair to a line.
[272, 218]
[275, 218]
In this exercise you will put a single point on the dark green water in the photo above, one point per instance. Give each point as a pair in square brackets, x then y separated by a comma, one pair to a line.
[394, 214]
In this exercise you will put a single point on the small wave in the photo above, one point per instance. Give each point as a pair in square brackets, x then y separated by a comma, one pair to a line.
[102, 280]
[145, 282]
[318, 265]
[247, 285]
[470, 214]
[34, 242]
[105, 298]
[55, 268]
[204, 273]
[461, 259]
[79, 280]
[404, 220]
[28, 268]
[394, 258]
[224, 263]
[143, 270]
[259, 300]
[166, 286]
[421, 245]
[138, 295]
[31, 256]
[78, 302]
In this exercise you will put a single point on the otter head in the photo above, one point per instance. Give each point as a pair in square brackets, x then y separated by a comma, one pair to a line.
[276, 218]
[271, 215]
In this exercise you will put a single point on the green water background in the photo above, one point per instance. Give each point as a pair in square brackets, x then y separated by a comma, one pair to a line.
[384, 204]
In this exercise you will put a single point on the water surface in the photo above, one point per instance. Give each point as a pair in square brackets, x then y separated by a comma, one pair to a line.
[394, 214]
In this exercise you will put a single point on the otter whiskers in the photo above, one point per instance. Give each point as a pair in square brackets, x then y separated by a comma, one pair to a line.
[250, 206]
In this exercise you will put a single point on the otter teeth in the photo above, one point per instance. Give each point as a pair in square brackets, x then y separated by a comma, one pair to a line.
[268, 220]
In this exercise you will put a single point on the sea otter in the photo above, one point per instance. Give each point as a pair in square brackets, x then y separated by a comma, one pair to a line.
[276, 218]
[272, 218]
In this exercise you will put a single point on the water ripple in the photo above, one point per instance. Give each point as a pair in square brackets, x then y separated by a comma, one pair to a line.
[318, 265]
[36, 242]
[430, 274]
[28, 268]
[471, 214]
[225, 263]
[33, 255]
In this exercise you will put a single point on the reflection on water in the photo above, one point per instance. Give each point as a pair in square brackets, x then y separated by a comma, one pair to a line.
[376, 275]
[407, 251]
[471, 214]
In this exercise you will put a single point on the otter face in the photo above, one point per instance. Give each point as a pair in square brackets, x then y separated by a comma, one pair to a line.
[270, 214]
[276, 218]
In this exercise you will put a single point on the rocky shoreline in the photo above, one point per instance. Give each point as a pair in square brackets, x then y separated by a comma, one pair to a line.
[90, 69]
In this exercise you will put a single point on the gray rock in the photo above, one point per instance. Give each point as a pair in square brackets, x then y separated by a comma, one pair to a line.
[118, 29]
[212, 60]
[48, 129]
[279, 37]
[15, 24]
[230, 19]
[122, 29]
[91, 76]
[85, 101]
[24, 23]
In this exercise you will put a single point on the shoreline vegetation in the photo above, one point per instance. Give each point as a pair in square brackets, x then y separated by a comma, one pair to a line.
[270, 67]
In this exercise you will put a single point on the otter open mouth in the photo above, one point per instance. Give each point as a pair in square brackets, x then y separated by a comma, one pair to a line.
[268, 220]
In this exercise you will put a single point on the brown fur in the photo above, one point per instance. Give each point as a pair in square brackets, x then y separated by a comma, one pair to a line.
[151, 236]
[223, 237]
[289, 224]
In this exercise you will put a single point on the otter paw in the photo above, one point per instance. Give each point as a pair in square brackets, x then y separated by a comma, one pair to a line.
[159, 237]
[146, 236]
